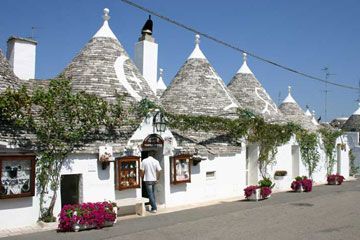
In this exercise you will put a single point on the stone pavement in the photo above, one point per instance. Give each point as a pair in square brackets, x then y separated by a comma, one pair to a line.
[329, 212]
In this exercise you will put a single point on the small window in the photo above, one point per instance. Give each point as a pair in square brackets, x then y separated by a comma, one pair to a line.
[210, 175]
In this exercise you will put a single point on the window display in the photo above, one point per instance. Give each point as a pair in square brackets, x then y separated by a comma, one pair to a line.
[17, 176]
[180, 169]
[128, 172]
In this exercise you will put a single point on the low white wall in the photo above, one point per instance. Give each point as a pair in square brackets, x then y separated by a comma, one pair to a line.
[18, 212]
[229, 181]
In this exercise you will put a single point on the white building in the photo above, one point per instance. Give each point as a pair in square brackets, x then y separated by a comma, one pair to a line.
[198, 166]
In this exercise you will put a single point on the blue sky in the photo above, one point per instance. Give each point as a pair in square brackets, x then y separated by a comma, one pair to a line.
[306, 35]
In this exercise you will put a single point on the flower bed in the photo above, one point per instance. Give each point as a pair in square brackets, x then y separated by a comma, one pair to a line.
[302, 184]
[86, 216]
[335, 179]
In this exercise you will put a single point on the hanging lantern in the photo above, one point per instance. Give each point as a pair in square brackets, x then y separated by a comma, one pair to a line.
[159, 122]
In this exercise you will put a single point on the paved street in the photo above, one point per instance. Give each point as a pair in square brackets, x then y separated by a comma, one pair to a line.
[329, 212]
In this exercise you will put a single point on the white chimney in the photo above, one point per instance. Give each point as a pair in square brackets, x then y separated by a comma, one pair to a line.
[146, 55]
[21, 53]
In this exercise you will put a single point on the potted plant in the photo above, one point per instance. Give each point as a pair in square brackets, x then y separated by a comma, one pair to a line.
[296, 185]
[280, 174]
[252, 192]
[105, 160]
[301, 184]
[86, 216]
[334, 179]
[265, 186]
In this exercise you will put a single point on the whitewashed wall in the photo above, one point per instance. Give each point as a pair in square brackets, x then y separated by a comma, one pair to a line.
[95, 185]
[229, 181]
[18, 212]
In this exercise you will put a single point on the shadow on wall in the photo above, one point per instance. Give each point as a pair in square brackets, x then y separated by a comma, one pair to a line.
[195, 169]
[178, 188]
[103, 174]
[16, 203]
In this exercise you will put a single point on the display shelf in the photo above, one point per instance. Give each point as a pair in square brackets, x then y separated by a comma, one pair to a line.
[127, 172]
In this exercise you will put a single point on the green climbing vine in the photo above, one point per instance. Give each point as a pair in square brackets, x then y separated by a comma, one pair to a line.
[308, 143]
[269, 137]
[353, 168]
[61, 121]
[329, 137]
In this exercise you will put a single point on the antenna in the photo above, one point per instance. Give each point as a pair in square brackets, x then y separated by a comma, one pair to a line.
[326, 91]
[279, 98]
[33, 31]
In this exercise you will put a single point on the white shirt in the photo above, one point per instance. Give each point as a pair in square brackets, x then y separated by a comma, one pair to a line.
[150, 166]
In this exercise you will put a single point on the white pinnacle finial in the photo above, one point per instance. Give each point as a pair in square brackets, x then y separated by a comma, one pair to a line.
[244, 56]
[357, 112]
[289, 98]
[161, 72]
[313, 112]
[106, 16]
[244, 69]
[105, 30]
[197, 53]
[197, 39]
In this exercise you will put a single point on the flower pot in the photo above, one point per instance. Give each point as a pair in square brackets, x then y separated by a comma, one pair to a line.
[332, 182]
[255, 196]
[300, 189]
[80, 227]
[279, 177]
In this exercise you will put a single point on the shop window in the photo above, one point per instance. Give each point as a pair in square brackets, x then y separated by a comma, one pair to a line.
[127, 172]
[17, 175]
[180, 169]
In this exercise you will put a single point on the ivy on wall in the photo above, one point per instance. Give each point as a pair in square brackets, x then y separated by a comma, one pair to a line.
[55, 122]
[308, 143]
[329, 137]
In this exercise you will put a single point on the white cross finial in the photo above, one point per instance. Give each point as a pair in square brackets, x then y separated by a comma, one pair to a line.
[289, 89]
[197, 39]
[106, 16]
[161, 72]
[244, 56]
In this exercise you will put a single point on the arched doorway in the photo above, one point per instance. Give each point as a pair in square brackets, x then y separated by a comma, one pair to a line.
[154, 142]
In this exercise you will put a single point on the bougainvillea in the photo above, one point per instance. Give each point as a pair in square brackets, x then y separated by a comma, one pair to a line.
[87, 214]
[248, 191]
[335, 179]
[302, 182]
[296, 185]
[265, 192]
[307, 185]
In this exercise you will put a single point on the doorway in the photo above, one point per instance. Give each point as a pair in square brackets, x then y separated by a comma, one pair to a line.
[159, 188]
[69, 189]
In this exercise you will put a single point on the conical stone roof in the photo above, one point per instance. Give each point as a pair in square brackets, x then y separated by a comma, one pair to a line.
[198, 90]
[293, 113]
[7, 76]
[251, 94]
[353, 123]
[103, 68]
[160, 87]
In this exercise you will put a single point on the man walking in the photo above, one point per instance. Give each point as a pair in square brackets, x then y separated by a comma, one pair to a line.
[150, 172]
